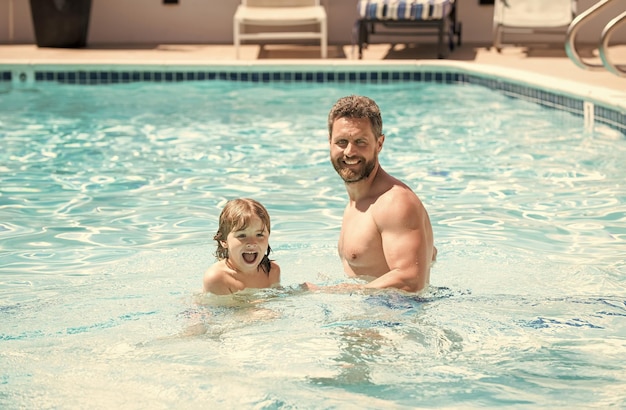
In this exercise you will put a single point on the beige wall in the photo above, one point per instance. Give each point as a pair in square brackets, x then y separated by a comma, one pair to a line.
[210, 22]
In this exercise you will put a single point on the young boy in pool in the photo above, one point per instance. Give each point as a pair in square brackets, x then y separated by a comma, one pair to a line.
[242, 250]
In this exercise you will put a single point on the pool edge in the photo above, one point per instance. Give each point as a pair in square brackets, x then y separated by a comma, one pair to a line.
[595, 102]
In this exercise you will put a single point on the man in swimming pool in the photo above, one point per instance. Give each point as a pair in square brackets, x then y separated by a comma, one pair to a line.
[386, 232]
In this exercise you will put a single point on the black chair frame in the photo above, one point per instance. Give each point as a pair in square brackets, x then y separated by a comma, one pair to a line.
[413, 28]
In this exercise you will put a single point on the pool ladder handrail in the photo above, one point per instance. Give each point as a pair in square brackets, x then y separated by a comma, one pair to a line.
[619, 70]
[572, 31]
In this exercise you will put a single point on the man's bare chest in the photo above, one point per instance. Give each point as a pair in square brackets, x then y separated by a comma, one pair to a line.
[359, 242]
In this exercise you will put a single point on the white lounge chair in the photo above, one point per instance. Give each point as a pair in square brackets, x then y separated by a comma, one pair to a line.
[280, 13]
[531, 17]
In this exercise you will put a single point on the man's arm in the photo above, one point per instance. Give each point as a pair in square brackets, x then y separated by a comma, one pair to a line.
[407, 243]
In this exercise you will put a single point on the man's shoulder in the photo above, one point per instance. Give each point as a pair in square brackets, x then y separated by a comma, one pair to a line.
[397, 205]
[398, 194]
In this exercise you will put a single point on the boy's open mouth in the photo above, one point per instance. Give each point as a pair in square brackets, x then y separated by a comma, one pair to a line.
[249, 257]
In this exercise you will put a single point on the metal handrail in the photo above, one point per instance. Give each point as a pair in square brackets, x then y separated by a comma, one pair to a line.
[572, 31]
[606, 34]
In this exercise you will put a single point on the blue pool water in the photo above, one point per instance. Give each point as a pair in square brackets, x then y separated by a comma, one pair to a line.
[109, 199]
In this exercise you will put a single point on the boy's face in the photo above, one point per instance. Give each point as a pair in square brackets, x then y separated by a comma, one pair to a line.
[247, 246]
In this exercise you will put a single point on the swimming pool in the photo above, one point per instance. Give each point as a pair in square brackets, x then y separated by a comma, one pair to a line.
[109, 198]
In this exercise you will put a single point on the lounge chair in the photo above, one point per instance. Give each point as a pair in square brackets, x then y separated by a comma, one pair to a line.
[531, 17]
[409, 18]
[280, 13]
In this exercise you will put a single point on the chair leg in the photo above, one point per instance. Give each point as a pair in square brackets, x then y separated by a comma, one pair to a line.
[441, 52]
[324, 41]
[362, 36]
[497, 38]
[236, 39]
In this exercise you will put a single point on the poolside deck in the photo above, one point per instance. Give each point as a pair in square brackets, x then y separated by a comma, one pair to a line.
[545, 60]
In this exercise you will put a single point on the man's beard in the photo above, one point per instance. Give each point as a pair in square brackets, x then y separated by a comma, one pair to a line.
[349, 175]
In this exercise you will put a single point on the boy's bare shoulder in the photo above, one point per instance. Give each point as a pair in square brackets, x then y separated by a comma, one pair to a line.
[274, 274]
[215, 279]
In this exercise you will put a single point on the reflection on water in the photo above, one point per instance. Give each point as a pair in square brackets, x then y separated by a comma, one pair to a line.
[109, 199]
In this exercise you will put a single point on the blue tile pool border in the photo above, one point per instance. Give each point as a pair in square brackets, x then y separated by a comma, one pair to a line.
[614, 117]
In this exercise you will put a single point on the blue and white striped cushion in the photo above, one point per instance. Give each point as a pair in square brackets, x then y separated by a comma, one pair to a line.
[404, 9]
